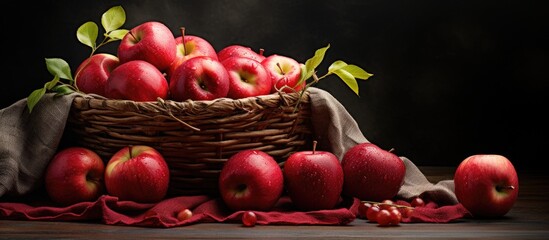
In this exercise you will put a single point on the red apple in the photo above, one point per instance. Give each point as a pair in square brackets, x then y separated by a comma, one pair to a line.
[313, 179]
[150, 41]
[285, 73]
[136, 80]
[189, 46]
[199, 78]
[92, 73]
[251, 180]
[137, 173]
[247, 77]
[236, 50]
[372, 173]
[486, 185]
[74, 175]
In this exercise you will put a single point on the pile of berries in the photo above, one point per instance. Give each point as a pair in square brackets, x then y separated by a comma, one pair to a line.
[387, 213]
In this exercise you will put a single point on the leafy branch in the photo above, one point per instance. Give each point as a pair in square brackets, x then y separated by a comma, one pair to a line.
[348, 73]
[63, 82]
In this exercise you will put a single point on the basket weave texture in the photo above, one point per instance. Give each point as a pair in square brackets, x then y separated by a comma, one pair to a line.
[195, 137]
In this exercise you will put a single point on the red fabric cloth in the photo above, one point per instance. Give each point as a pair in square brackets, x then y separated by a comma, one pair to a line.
[109, 210]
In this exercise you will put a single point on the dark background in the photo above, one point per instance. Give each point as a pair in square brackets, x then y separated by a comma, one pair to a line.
[451, 78]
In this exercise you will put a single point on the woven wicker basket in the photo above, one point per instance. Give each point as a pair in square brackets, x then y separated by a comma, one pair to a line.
[195, 137]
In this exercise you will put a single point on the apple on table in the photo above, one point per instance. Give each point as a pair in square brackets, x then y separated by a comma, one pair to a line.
[137, 173]
[74, 175]
[313, 179]
[251, 180]
[486, 185]
[372, 173]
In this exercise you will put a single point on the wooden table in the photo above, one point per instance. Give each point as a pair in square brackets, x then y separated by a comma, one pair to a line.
[529, 219]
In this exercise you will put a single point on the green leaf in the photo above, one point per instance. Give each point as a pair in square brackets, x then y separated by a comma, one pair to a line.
[34, 97]
[336, 66]
[87, 34]
[49, 85]
[116, 34]
[113, 18]
[348, 78]
[59, 67]
[312, 63]
[357, 72]
[63, 90]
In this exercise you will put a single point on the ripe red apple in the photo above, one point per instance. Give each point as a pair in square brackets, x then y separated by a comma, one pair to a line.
[236, 50]
[74, 175]
[150, 41]
[486, 185]
[313, 179]
[247, 77]
[199, 78]
[93, 72]
[285, 73]
[189, 46]
[251, 180]
[137, 173]
[372, 173]
[136, 80]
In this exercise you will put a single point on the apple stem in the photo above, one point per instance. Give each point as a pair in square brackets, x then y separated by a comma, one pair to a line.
[391, 150]
[280, 68]
[182, 29]
[261, 50]
[130, 148]
[131, 34]
[314, 146]
[500, 188]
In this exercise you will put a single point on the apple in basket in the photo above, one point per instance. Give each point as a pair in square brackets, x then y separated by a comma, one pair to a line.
[74, 175]
[189, 46]
[251, 180]
[93, 72]
[199, 78]
[313, 179]
[136, 80]
[247, 77]
[372, 173]
[150, 41]
[285, 73]
[237, 50]
[486, 184]
[137, 173]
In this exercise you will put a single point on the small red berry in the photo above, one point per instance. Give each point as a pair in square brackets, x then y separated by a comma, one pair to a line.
[363, 209]
[417, 202]
[249, 219]
[372, 212]
[184, 214]
[384, 218]
[396, 217]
